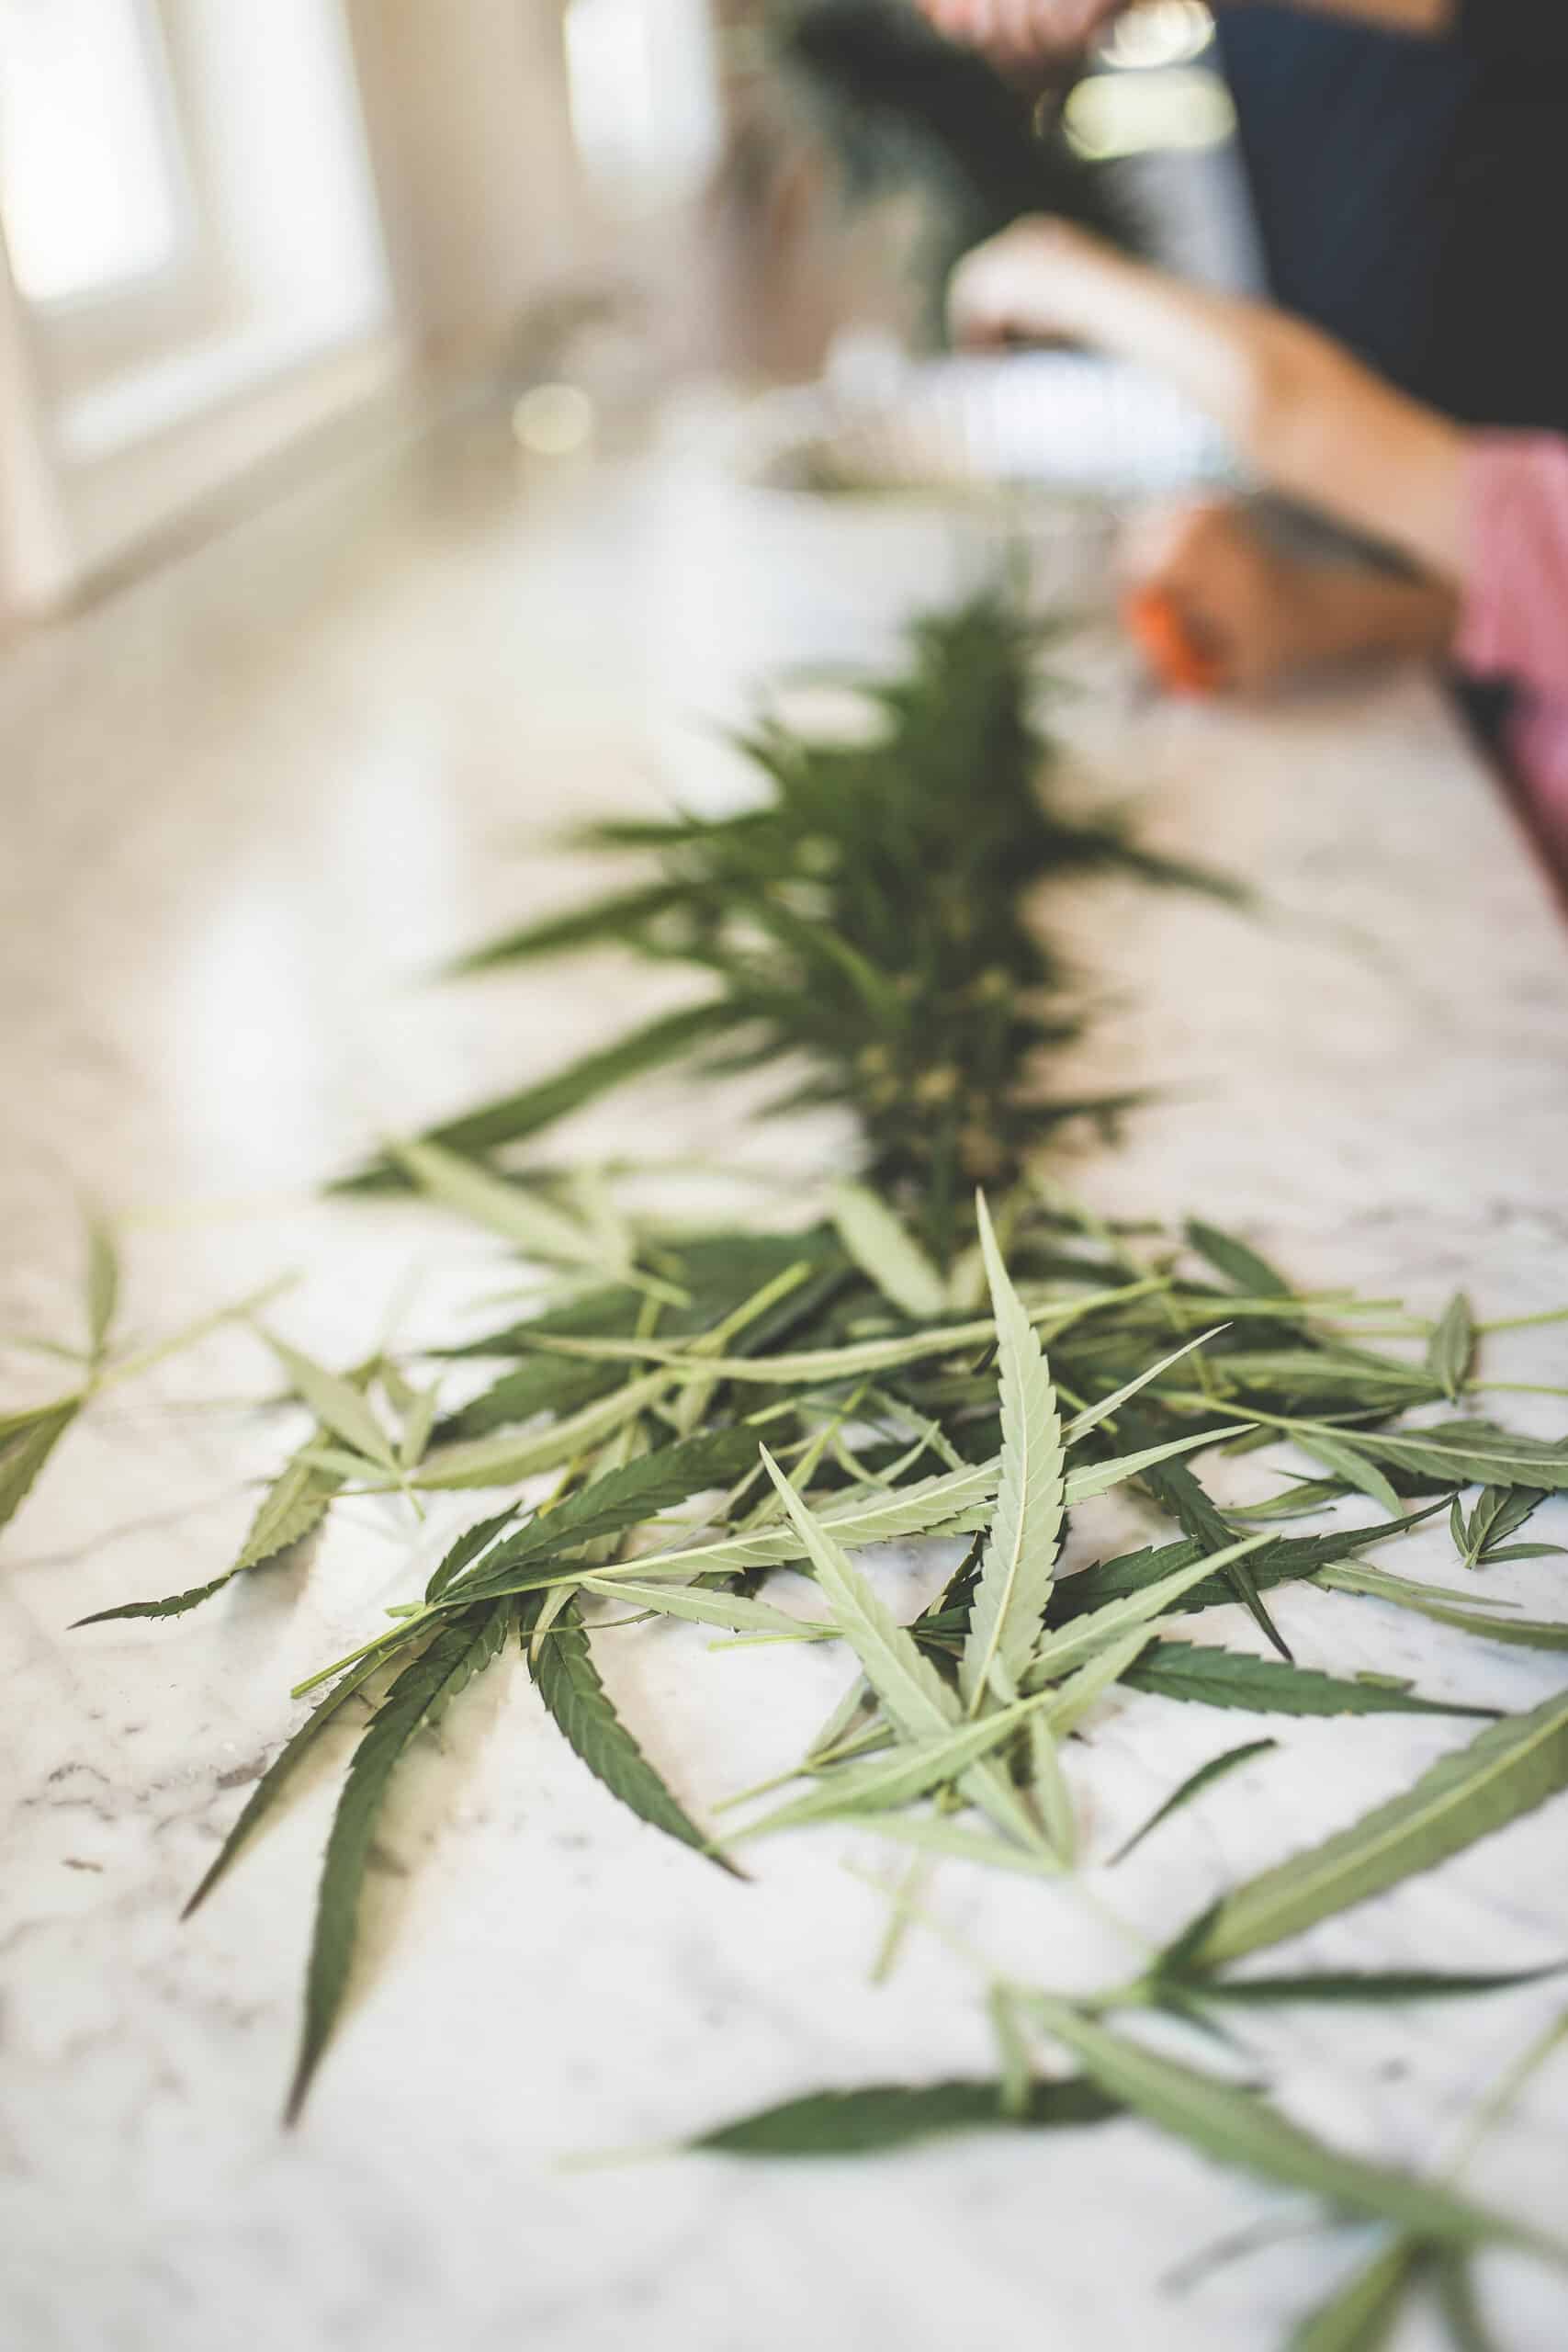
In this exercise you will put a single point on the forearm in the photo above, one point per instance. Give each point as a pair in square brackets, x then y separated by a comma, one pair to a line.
[1342, 612]
[1307, 418]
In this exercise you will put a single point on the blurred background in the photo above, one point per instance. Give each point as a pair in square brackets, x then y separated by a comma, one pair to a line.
[244, 241]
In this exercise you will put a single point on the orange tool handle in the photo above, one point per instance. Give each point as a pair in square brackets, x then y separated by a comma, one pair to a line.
[1182, 665]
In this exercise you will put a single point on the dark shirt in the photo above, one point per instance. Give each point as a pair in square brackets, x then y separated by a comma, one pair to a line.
[1412, 195]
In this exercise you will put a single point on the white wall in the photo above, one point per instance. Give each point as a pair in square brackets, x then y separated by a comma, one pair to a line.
[35, 553]
[482, 196]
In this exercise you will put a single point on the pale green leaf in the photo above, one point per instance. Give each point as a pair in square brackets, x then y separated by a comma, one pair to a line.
[418, 1422]
[623, 1497]
[899, 1776]
[1236, 2127]
[1472, 1454]
[816, 1367]
[1251, 1274]
[887, 1253]
[1109, 1407]
[1083, 1637]
[292, 1507]
[1099, 1479]
[1452, 1347]
[1359, 2315]
[1082, 1690]
[1346, 1462]
[919, 1703]
[470, 1189]
[955, 1503]
[101, 1284]
[507, 1458]
[1427, 1601]
[338, 1403]
[1506, 1771]
[729, 1610]
[27, 1441]
[944, 1840]
[1019, 1564]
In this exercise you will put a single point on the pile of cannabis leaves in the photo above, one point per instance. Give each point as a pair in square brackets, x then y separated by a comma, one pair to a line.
[951, 1349]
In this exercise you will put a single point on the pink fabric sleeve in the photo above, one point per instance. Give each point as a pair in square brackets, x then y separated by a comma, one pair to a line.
[1515, 622]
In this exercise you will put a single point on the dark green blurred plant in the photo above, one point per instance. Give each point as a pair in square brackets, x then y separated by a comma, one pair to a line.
[871, 926]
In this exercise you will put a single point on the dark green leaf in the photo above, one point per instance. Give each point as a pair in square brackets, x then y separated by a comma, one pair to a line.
[609, 921]
[1219, 1678]
[515, 1116]
[27, 1441]
[459, 1651]
[1287, 1561]
[470, 1546]
[568, 1683]
[1250, 1274]
[1300, 1500]
[1176, 1486]
[543, 1384]
[293, 1507]
[1349, 1985]
[1454, 2281]
[621, 1498]
[893, 2115]
[1204, 1777]
[265, 1795]
[1499, 1513]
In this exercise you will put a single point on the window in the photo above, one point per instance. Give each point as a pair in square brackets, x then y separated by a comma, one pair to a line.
[92, 185]
[194, 250]
[644, 97]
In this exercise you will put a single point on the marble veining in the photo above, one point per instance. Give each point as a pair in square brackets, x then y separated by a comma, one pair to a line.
[249, 799]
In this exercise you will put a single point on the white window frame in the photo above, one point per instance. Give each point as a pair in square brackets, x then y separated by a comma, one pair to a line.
[82, 337]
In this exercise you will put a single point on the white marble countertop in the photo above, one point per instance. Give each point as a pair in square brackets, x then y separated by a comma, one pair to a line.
[247, 799]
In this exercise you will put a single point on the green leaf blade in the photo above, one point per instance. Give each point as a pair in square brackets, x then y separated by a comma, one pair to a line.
[1508, 1770]
[1216, 1768]
[886, 2115]
[1209, 1676]
[1236, 2128]
[1452, 1347]
[457, 1652]
[338, 1403]
[567, 1681]
[888, 1255]
[27, 1441]
[1019, 1564]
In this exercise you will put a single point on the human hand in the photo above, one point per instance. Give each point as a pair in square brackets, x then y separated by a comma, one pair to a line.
[1217, 609]
[1016, 34]
[1037, 281]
